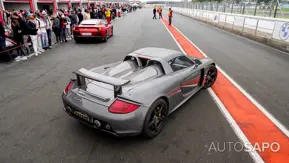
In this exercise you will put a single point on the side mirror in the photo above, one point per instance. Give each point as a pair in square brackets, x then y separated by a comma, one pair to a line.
[198, 62]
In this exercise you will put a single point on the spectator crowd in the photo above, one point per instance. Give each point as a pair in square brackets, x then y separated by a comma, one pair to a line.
[31, 31]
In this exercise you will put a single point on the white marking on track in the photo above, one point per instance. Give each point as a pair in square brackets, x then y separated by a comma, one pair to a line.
[255, 156]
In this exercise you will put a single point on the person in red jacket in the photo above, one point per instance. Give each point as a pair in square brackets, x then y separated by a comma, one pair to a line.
[170, 15]
[160, 12]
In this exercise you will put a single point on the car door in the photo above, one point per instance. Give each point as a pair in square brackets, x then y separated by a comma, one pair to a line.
[189, 74]
[190, 83]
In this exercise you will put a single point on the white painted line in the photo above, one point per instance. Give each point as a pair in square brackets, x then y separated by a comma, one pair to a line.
[257, 104]
[255, 156]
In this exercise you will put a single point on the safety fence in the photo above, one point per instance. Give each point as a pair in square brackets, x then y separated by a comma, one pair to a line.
[265, 8]
[26, 47]
[270, 28]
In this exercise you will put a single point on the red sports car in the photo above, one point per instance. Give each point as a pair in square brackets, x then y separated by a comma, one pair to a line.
[93, 29]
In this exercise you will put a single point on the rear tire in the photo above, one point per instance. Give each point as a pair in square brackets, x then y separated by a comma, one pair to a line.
[211, 76]
[155, 119]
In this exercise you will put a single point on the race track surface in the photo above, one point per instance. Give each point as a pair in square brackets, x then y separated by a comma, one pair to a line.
[261, 70]
[35, 129]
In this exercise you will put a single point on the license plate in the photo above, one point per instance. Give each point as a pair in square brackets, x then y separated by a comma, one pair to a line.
[83, 116]
[86, 34]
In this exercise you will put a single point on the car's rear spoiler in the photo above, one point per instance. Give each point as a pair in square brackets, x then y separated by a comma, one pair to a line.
[117, 83]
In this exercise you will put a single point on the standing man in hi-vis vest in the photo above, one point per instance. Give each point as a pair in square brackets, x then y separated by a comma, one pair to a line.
[170, 15]
[108, 14]
[160, 12]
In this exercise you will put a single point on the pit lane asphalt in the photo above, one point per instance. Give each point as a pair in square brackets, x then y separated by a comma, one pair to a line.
[261, 70]
[35, 129]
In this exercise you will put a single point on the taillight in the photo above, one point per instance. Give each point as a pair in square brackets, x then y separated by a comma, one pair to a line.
[122, 107]
[75, 29]
[68, 87]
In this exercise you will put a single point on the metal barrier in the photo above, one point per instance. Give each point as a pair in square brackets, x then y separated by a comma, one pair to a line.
[271, 28]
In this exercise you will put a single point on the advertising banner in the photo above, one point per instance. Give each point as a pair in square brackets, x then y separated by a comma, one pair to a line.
[281, 31]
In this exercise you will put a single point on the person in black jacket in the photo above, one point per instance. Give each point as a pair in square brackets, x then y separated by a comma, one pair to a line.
[20, 20]
[18, 38]
[56, 28]
[80, 16]
[154, 12]
[33, 26]
[73, 19]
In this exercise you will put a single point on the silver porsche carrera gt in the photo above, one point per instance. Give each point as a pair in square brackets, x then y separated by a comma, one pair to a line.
[135, 96]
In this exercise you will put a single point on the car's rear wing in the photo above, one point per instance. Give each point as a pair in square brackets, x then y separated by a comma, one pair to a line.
[83, 74]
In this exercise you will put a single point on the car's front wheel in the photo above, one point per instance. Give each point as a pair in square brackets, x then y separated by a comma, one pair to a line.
[155, 119]
[211, 76]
